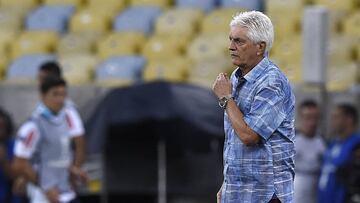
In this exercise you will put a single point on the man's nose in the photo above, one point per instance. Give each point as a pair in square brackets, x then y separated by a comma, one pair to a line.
[232, 45]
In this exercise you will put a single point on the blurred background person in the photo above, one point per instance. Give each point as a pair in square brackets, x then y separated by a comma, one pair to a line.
[309, 147]
[338, 154]
[73, 118]
[43, 148]
[6, 155]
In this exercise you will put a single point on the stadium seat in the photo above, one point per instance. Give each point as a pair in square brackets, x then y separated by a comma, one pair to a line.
[34, 42]
[118, 4]
[336, 21]
[6, 37]
[218, 20]
[352, 25]
[23, 3]
[180, 22]
[117, 71]
[280, 6]
[130, 20]
[49, 18]
[246, 4]
[291, 68]
[289, 49]
[3, 63]
[208, 46]
[88, 20]
[120, 43]
[284, 27]
[340, 50]
[75, 3]
[11, 18]
[205, 72]
[78, 68]
[175, 69]
[25, 68]
[159, 3]
[159, 47]
[347, 5]
[109, 8]
[341, 82]
[287, 54]
[205, 5]
[74, 43]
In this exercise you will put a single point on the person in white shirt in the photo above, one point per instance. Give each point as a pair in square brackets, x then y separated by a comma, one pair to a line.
[43, 152]
[52, 68]
[77, 131]
[309, 147]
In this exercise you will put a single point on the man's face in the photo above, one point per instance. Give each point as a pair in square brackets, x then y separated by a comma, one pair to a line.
[338, 121]
[309, 118]
[242, 51]
[54, 99]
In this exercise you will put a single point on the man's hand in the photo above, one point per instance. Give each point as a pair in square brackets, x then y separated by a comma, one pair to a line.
[218, 195]
[77, 174]
[19, 186]
[53, 195]
[222, 85]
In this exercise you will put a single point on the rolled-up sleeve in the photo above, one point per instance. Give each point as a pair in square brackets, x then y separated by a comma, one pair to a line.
[267, 111]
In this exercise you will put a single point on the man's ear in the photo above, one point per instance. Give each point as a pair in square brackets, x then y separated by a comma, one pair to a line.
[261, 48]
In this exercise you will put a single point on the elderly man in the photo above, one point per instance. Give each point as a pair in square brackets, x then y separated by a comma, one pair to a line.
[259, 117]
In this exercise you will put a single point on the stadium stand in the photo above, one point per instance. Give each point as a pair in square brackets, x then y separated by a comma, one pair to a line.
[65, 2]
[159, 3]
[19, 3]
[120, 43]
[249, 5]
[176, 70]
[34, 42]
[74, 43]
[130, 20]
[49, 18]
[89, 20]
[25, 68]
[182, 22]
[160, 47]
[162, 29]
[120, 70]
[205, 5]
[78, 69]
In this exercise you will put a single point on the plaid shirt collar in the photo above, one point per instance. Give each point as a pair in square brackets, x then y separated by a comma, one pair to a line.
[254, 73]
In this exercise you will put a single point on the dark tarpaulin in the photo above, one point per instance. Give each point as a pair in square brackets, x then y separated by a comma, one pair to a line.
[129, 123]
[194, 109]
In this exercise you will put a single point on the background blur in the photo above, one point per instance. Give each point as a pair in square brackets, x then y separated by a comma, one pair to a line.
[112, 51]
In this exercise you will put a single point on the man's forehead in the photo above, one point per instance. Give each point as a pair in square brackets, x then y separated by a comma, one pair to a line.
[237, 32]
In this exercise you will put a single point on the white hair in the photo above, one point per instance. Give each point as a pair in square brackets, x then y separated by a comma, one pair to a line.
[260, 28]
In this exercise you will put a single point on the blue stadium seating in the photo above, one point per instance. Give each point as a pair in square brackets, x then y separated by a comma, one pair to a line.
[247, 4]
[205, 5]
[26, 67]
[121, 67]
[50, 18]
[137, 19]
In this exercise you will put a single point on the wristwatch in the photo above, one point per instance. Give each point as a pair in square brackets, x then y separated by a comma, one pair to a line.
[224, 100]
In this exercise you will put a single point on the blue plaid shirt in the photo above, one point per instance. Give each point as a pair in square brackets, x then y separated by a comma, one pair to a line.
[258, 173]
